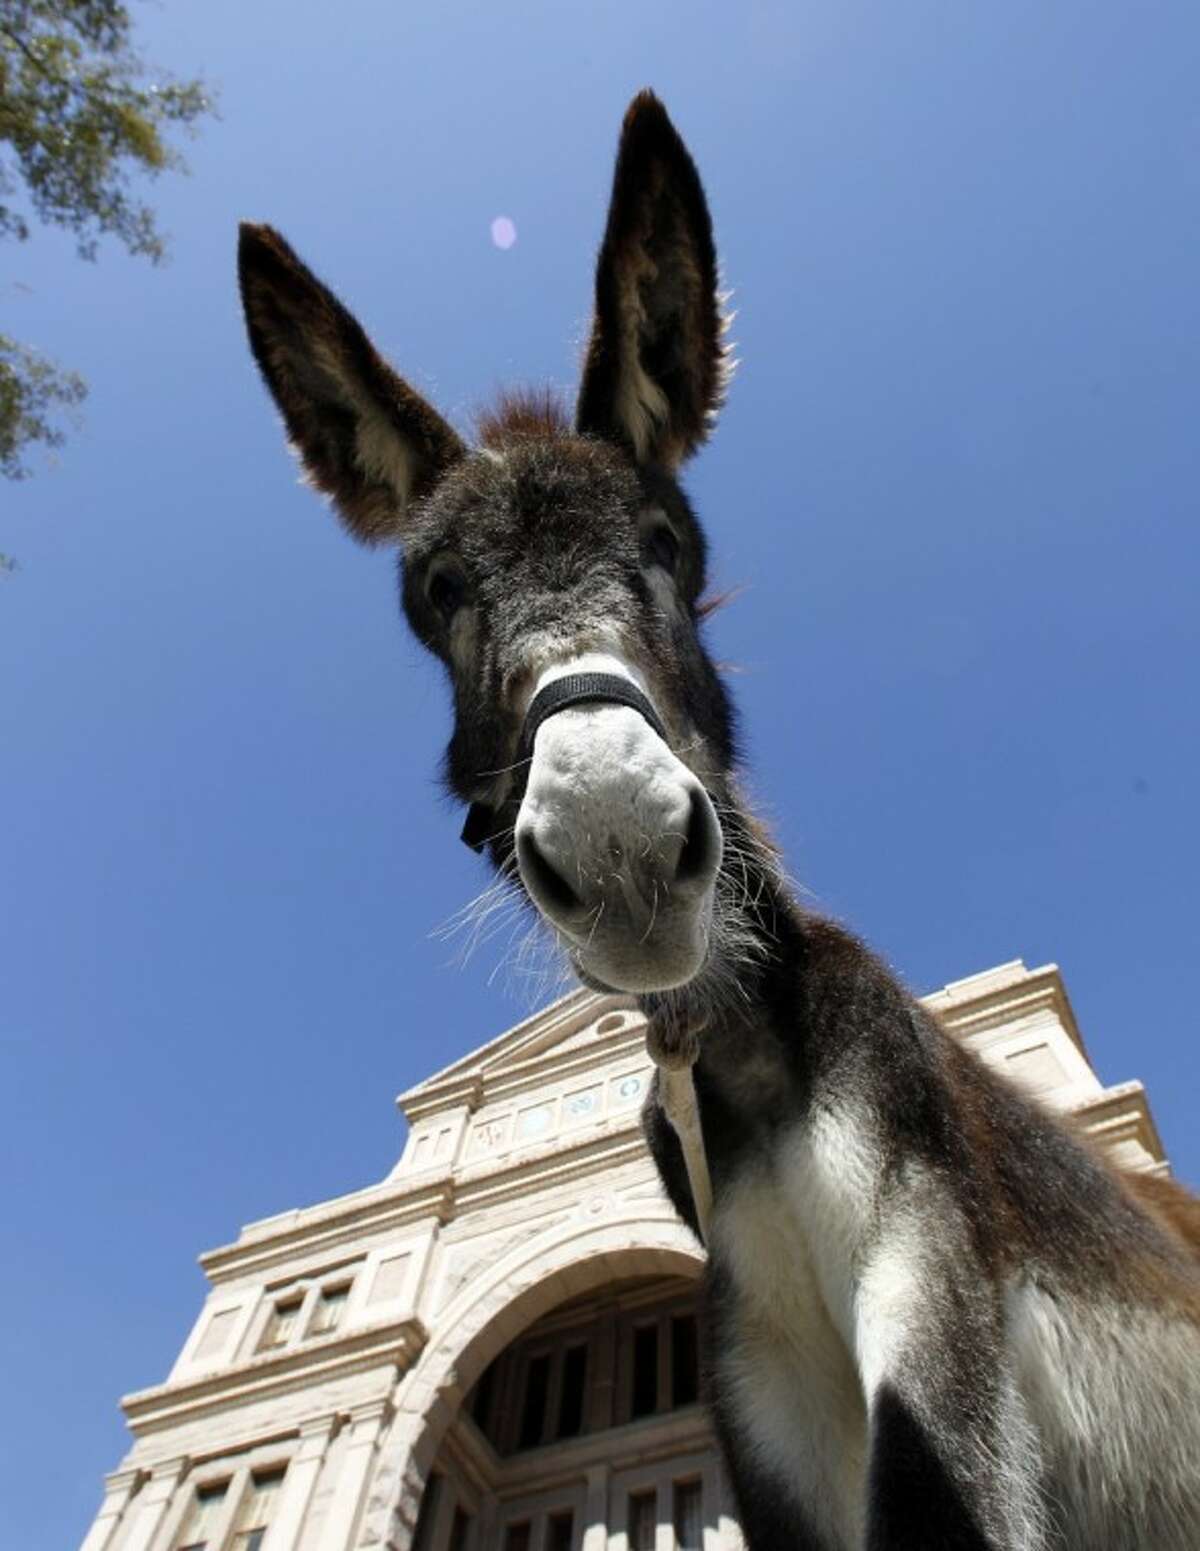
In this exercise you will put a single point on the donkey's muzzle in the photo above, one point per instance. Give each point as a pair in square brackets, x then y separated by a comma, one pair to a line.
[687, 855]
[617, 841]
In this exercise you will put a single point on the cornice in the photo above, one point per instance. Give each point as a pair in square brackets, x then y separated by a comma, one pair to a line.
[382, 1209]
[1122, 1113]
[259, 1378]
[454, 1093]
[1004, 995]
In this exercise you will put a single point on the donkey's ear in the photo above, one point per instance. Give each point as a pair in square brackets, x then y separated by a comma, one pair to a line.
[656, 364]
[364, 436]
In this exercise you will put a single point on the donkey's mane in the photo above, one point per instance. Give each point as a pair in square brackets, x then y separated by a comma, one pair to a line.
[519, 414]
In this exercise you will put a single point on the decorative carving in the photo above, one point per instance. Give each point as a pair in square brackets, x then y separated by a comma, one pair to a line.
[491, 1134]
[467, 1260]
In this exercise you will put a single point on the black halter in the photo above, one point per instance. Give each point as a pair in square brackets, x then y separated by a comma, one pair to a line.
[571, 689]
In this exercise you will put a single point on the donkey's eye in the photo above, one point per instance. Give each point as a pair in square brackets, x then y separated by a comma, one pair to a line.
[664, 548]
[446, 589]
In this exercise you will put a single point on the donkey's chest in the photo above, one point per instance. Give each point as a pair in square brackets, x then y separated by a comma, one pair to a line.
[787, 1236]
[793, 1225]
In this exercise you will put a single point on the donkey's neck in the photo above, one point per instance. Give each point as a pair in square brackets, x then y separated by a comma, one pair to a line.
[785, 996]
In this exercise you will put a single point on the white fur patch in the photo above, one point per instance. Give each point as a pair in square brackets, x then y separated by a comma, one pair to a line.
[642, 406]
[379, 450]
[789, 1372]
[1114, 1393]
[382, 454]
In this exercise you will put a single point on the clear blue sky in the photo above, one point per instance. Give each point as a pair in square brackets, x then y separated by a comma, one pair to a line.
[957, 477]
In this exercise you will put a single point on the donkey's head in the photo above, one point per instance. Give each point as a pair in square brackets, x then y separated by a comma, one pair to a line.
[551, 550]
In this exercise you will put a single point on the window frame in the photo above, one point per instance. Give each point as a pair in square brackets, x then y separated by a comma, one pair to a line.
[235, 1470]
[308, 1290]
[326, 1290]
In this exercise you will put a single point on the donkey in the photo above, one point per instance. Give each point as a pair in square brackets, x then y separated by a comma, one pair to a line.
[937, 1320]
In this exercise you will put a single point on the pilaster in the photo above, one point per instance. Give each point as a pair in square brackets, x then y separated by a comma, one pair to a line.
[119, 1488]
[152, 1505]
[303, 1469]
[364, 1427]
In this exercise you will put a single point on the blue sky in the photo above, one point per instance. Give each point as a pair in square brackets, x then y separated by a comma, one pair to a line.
[956, 478]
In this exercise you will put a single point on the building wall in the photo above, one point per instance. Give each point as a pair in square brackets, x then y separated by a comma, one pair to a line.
[524, 1182]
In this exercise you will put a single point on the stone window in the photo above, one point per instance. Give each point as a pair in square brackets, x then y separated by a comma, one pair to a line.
[643, 1520]
[331, 1305]
[688, 1515]
[195, 1533]
[658, 1351]
[257, 1508]
[685, 1360]
[643, 1400]
[533, 1408]
[560, 1531]
[628, 1356]
[281, 1322]
[307, 1307]
[572, 1391]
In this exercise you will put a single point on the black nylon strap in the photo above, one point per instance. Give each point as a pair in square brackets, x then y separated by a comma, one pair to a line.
[571, 689]
[580, 689]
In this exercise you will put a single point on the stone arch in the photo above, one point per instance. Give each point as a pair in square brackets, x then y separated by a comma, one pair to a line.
[482, 1319]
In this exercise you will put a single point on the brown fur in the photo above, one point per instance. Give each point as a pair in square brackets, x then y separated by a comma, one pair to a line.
[1171, 1204]
[519, 414]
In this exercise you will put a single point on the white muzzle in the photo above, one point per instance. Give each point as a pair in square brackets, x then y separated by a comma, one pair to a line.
[618, 843]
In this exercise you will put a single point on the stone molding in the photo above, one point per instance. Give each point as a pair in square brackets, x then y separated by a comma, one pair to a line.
[349, 1219]
[1002, 996]
[262, 1377]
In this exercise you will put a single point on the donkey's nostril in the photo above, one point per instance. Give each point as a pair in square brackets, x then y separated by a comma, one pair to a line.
[550, 890]
[700, 855]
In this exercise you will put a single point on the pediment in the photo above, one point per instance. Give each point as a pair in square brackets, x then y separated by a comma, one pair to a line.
[581, 1024]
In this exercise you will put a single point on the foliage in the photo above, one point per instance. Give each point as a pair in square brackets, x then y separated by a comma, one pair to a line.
[32, 390]
[80, 115]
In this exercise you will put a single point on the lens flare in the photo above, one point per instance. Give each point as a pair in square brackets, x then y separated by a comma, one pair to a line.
[504, 231]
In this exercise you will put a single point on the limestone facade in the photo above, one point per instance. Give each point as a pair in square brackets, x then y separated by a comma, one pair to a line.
[493, 1349]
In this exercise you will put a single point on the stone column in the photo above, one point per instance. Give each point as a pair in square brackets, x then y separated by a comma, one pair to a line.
[363, 1428]
[303, 1469]
[152, 1504]
[118, 1489]
[595, 1510]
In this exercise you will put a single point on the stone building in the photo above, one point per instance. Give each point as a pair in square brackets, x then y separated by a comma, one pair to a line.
[494, 1349]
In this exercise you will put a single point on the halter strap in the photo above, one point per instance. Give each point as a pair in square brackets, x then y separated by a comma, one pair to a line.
[572, 689]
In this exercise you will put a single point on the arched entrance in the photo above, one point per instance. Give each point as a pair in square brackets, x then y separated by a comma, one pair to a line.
[557, 1408]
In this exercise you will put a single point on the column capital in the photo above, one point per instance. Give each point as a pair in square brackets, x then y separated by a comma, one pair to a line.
[317, 1427]
[362, 1415]
[123, 1481]
[164, 1476]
